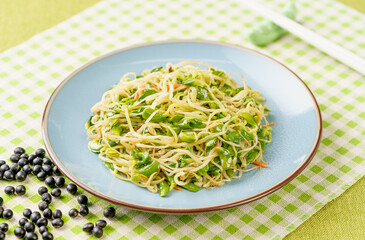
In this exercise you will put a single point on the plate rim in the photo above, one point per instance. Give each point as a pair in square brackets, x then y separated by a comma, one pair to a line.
[165, 210]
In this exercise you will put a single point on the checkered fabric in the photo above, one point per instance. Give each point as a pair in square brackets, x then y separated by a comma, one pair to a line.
[30, 72]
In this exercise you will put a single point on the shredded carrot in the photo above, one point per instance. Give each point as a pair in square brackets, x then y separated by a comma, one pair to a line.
[216, 144]
[260, 164]
[177, 188]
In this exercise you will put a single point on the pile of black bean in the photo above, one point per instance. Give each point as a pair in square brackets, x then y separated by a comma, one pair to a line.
[43, 168]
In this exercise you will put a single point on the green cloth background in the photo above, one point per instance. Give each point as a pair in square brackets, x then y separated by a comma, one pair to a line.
[343, 218]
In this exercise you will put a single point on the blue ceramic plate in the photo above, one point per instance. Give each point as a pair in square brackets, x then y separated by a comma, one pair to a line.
[296, 135]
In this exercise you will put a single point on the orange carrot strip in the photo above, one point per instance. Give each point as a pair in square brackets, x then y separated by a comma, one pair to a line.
[177, 188]
[260, 164]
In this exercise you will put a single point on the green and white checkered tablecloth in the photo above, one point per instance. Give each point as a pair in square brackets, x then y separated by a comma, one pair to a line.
[31, 71]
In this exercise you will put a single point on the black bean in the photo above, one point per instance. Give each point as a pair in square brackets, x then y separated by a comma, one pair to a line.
[71, 188]
[19, 150]
[88, 227]
[109, 212]
[41, 176]
[47, 213]
[20, 190]
[38, 161]
[1, 211]
[42, 190]
[57, 222]
[50, 182]
[73, 212]
[31, 236]
[2, 162]
[4, 227]
[1, 174]
[83, 210]
[14, 158]
[22, 162]
[56, 192]
[97, 232]
[101, 223]
[20, 176]
[23, 221]
[47, 236]
[19, 232]
[10, 190]
[82, 199]
[47, 169]
[47, 197]
[40, 152]
[56, 171]
[31, 158]
[47, 161]
[8, 175]
[27, 212]
[2, 235]
[1, 201]
[60, 181]
[43, 205]
[8, 213]
[14, 168]
[27, 169]
[43, 229]
[35, 216]
[37, 169]
[24, 155]
[42, 222]
[57, 213]
[4, 167]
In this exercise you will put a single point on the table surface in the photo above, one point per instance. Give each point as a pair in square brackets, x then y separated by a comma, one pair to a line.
[343, 218]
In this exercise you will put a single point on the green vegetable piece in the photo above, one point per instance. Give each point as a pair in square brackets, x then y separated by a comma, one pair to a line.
[234, 137]
[156, 69]
[112, 143]
[117, 129]
[94, 146]
[171, 181]
[149, 169]
[202, 93]
[251, 156]
[217, 73]
[193, 82]
[164, 188]
[110, 152]
[188, 137]
[176, 118]
[89, 123]
[203, 171]
[139, 178]
[226, 158]
[211, 142]
[138, 111]
[144, 159]
[139, 76]
[262, 145]
[185, 160]
[109, 165]
[110, 114]
[228, 91]
[191, 187]
[237, 90]
[191, 124]
[230, 173]
[247, 135]
[268, 32]
[146, 93]
[147, 113]
[218, 128]
[249, 119]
